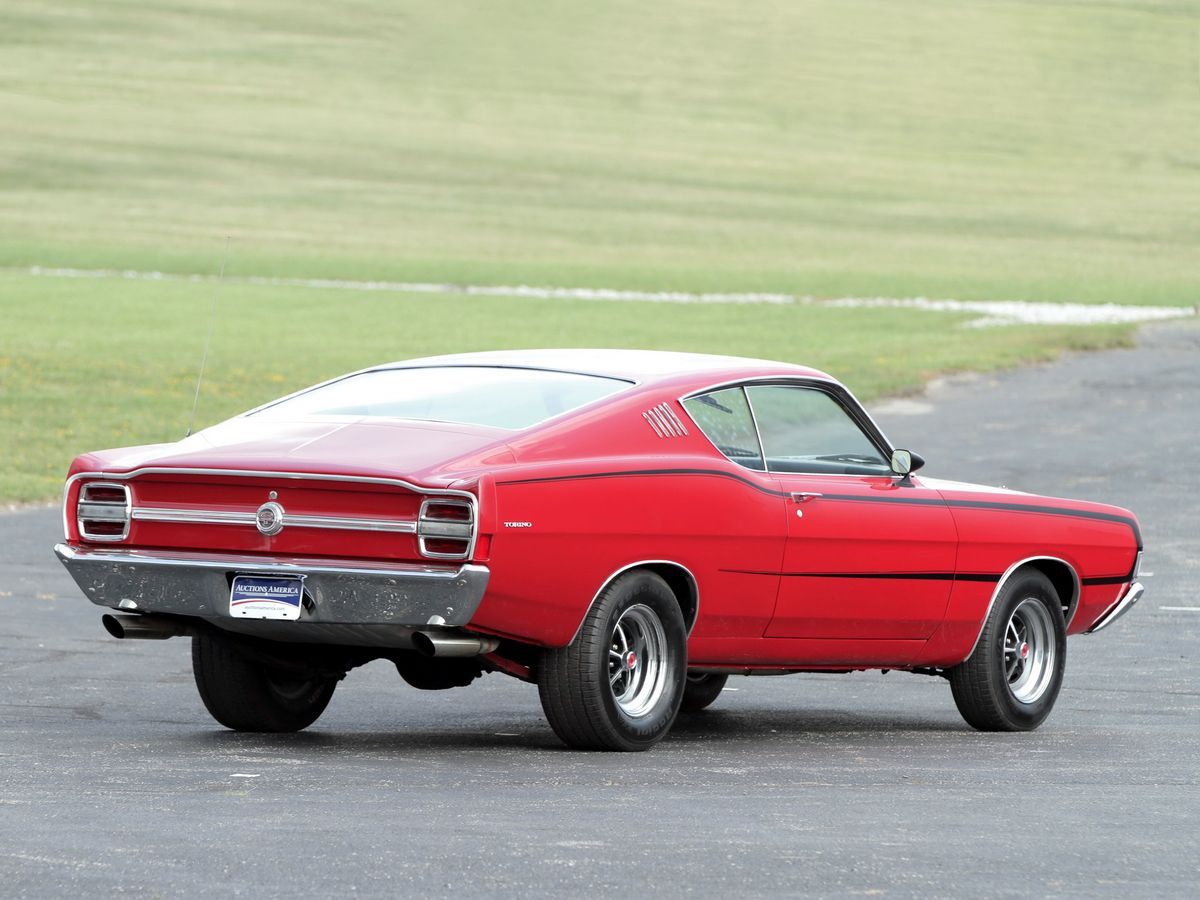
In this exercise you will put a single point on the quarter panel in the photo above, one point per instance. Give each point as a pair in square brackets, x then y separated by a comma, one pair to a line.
[559, 540]
[993, 539]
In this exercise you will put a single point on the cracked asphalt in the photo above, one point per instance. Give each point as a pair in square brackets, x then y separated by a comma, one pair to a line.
[113, 780]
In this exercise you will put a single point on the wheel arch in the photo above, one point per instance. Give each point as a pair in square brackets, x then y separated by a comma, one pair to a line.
[679, 579]
[1062, 576]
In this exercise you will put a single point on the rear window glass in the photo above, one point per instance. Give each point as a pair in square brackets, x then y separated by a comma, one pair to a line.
[472, 395]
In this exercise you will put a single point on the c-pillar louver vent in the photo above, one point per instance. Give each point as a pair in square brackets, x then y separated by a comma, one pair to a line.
[664, 421]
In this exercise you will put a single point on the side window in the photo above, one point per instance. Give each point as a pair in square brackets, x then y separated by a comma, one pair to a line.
[806, 430]
[724, 417]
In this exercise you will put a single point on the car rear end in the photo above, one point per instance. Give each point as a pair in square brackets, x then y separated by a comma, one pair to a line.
[286, 555]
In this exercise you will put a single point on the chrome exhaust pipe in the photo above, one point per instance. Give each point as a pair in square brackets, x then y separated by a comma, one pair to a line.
[428, 643]
[147, 628]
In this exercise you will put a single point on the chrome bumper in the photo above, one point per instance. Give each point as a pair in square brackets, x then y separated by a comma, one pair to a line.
[1122, 606]
[352, 601]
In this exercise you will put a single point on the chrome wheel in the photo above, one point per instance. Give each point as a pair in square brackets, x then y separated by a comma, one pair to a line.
[619, 684]
[1029, 650]
[637, 654]
[1013, 676]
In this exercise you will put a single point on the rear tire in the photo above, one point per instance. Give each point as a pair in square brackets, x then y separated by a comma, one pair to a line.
[619, 684]
[701, 690]
[247, 695]
[1011, 680]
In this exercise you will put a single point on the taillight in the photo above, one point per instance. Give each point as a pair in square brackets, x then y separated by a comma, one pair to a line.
[445, 529]
[103, 511]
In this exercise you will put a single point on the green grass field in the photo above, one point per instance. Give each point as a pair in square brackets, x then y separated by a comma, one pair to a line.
[984, 150]
[120, 364]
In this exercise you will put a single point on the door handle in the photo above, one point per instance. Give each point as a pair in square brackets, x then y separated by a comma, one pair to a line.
[805, 496]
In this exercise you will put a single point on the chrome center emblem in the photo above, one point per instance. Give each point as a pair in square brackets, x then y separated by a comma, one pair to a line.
[1024, 651]
[630, 660]
[269, 519]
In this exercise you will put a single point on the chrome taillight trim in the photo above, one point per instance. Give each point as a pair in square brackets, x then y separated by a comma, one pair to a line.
[465, 497]
[291, 520]
[444, 529]
[88, 510]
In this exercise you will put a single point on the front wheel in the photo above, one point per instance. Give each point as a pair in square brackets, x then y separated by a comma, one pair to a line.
[1011, 680]
[247, 695]
[618, 685]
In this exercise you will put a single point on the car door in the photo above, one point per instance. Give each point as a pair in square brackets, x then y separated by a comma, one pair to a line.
[869, 556]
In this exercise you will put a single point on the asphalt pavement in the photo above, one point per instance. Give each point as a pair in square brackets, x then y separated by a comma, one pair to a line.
[113, 779]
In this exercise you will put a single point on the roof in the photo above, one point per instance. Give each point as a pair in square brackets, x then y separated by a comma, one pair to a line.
[635, 365]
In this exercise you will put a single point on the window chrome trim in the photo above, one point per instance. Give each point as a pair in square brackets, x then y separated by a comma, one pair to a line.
[837, 391]
[762, 450]
[1071, 609]
[465, 496]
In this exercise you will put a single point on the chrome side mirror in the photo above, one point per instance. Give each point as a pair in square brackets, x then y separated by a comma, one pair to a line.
[902, 462]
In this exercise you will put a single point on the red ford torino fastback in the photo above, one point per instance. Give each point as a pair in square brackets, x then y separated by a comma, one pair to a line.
[624, 529]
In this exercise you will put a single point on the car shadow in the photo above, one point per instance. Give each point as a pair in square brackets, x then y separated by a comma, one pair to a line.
[828, 727]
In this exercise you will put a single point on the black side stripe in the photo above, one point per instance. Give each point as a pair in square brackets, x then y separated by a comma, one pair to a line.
[992, 504]
[855, 498]
[1107, 579]
[635, 472]
[900, 576]
[891, 576]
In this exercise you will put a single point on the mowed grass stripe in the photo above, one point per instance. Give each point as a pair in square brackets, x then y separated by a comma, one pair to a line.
[1006, 312]
[89, 364]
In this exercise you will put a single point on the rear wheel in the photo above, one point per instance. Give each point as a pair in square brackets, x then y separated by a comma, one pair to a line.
[701, 690]
[619, 684]
[247, 695]
[1011, 680]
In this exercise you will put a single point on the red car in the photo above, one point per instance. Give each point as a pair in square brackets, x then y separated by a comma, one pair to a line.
[625, 529]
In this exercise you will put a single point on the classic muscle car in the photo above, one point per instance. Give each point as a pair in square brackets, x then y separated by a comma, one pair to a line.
[624, 529]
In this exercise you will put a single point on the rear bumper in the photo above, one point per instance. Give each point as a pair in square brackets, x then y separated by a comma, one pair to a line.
[347, 601]
[1127, 601]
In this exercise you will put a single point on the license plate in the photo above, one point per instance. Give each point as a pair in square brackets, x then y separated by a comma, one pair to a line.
[258, 597]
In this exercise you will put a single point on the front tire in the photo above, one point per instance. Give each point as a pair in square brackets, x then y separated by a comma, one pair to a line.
[701, 690]
[1011, 680]
[619, 684]
[247, 695]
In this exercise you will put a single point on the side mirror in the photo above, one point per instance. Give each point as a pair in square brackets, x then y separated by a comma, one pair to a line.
[905, 462]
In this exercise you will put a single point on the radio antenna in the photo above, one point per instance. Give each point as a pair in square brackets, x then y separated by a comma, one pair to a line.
[212, 318]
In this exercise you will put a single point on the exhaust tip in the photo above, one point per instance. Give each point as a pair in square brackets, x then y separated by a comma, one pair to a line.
[113, 626]
[429, 643]
[422, 643]
[145, 627]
